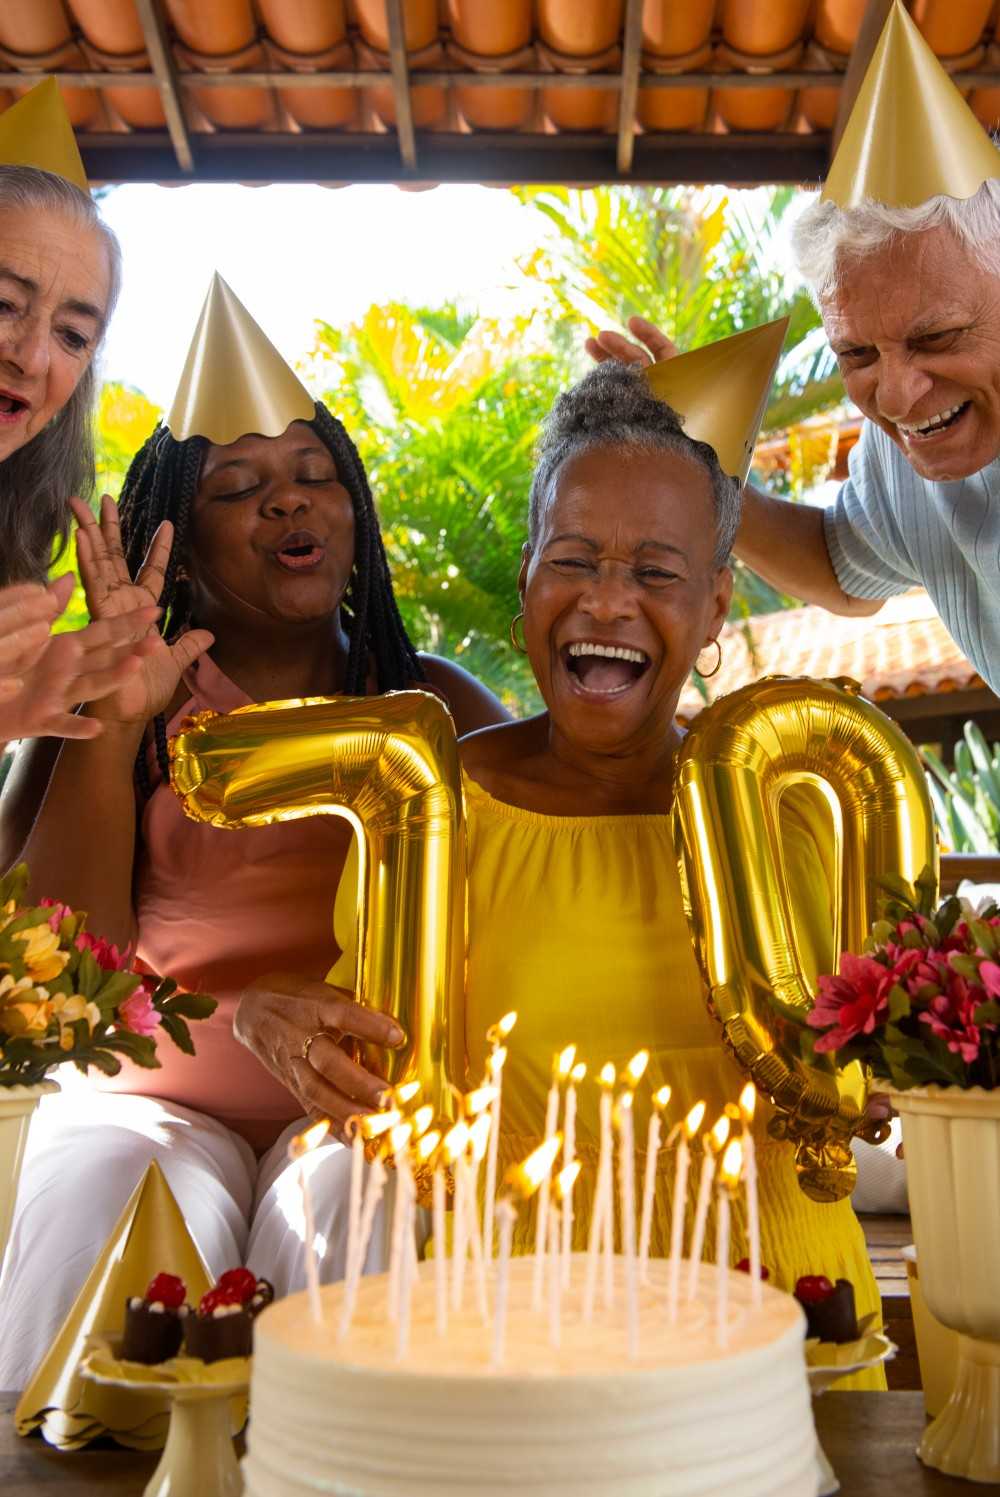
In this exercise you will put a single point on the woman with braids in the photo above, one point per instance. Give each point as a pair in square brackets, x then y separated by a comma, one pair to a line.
[276, 585]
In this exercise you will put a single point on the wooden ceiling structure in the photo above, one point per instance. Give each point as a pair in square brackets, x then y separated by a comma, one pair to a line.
[496, 91]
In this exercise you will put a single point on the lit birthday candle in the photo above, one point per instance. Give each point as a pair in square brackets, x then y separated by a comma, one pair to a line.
[714, 1143]
[479, 1136]
[399, 1140]
[686, 1130]
[603, 1200]
[402, 1096]
[632, 1075]
[352, 1130]
[454, 1145]
[301, 1145]
[494, 1066]
[729, 1179]
[748, 1102]
[374, 1125]
[561, 1067]
[427, 1154]
[661, 1100]
[577, 1074]
[523, 1180]
[565, 1182]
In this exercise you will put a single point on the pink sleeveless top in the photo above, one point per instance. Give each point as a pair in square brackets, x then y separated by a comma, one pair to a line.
[217, 909]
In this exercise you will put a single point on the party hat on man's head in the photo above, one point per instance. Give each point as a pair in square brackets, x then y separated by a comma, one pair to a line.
[149, 1237]
[234, 380]
[720, 391]
[36, 132]
[910, 136]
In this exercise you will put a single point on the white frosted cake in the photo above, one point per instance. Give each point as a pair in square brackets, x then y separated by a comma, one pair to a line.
[686, 1418]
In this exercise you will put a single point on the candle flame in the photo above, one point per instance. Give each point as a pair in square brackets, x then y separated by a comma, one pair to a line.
[719, 1134]
[374, 1124]
[405, 1093]
[694, 1119]
[636, 1068]
[529, 1174]
[477, 1101]
[479, 1136]
[732, 1164]
[607, 1076]
[495, 1062]
[748, 1101]
[564, 1063]
[426, 1145]
[566, 1179]
[502, 1028]
[661, 1098]
[400, 1137]
[422, 1120]
[578, 1072]
[455, 1141]
[304, 1143]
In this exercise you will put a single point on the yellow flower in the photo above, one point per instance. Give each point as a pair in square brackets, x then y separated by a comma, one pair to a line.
[24, 1009]
[42, 956]
[70, 1011]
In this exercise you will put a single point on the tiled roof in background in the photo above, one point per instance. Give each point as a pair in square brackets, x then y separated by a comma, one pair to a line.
[904, 650]
[669, 90]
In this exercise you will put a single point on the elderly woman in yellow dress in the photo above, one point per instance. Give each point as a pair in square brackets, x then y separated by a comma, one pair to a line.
[575, 915]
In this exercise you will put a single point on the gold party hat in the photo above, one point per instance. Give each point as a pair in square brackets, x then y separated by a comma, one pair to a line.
[234, 380]
[150, 1237]
[910, 136]
[720, 391]
[36, 132]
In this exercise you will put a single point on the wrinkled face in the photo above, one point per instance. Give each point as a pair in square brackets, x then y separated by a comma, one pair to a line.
[916, 331]
[620, 593]
[54, 288]
[272, 533]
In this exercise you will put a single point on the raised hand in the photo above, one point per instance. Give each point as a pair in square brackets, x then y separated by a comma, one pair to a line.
[653, 346]
[111, 593]
[44, 676]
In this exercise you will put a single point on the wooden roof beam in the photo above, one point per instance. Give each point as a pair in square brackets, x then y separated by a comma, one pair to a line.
[161, 61]
[631, 60]
[401, 84]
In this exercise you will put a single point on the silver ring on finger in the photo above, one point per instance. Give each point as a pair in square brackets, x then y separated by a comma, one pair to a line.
[334, 1034]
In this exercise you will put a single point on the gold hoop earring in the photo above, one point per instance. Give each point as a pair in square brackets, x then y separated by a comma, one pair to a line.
[707, 675]
[521, 649]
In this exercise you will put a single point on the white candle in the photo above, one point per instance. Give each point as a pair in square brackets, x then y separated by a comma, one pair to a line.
[407, 1208]
[687, 1130]
[660, 1100]
[495, 1065]
[377, 1177]
[602, 1193]
[428, 1154]
[454, 1146]
[354, 1200]
[729, 1179]
[748, 1100]
[626, 1184]
[569, 1153]
[562, 1065]
[478, 1142]
[555, 1277]
[299, 1147]
[506, 1216]
[713, 1143]
[399, 1141]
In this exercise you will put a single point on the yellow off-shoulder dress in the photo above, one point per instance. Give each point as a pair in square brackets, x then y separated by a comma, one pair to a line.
[577, 923]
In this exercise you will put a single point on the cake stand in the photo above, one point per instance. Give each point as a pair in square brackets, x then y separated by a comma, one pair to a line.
[198, 1459]
[826, 1363]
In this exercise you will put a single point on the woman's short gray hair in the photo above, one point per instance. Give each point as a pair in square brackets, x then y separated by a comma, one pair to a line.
[825, 234]
[38, 479]
[613, 406]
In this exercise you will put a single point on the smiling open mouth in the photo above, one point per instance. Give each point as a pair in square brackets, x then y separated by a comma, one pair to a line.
[11, 406]
[934, 425]
[300, 552]
[600, 670]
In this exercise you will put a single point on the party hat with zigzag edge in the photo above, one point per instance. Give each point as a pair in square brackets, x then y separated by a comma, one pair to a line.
[234, 380]
[720, 391]
[910, 136]
[36, 132]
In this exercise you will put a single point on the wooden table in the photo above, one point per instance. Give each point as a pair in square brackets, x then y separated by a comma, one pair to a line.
[869, 1437]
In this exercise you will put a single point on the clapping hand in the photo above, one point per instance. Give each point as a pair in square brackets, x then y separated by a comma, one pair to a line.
[111, 593]
[653, 347]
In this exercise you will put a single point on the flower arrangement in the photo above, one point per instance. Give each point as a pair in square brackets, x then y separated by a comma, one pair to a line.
[920, 1004]
[66, 995]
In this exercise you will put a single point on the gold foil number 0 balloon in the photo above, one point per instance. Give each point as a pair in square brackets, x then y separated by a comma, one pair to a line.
[776, 767]
[389, 765]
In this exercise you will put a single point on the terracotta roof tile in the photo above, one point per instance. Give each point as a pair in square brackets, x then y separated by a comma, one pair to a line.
[903, 650]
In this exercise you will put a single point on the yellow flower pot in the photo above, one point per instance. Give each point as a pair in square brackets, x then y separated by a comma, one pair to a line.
[17, 1103]
[952, 1142]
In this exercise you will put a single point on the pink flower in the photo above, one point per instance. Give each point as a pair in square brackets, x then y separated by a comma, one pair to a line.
[989, 976]
[137, 1013]
[59, 912]
[950, 1016]
[852, 1002]
[107, 956]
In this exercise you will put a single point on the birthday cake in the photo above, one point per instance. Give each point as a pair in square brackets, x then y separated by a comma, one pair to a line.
[685, 1416]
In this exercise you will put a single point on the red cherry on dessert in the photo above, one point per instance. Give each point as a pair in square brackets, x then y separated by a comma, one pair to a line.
[813, 1289]
[743, 1266]
[240, 1283]
[166, 1289]
[212, 1299]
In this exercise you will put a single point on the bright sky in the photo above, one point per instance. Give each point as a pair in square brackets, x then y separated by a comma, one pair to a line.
[293, 254]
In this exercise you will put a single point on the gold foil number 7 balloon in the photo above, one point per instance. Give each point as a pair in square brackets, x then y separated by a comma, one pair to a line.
[787, 763]
[389, 765]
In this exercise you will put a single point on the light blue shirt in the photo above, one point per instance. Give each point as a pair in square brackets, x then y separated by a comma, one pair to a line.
[889, 530]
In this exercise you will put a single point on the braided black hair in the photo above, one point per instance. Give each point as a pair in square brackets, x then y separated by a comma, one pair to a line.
[161, 484]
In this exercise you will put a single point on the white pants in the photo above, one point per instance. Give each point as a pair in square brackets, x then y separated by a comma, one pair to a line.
[86, 1153]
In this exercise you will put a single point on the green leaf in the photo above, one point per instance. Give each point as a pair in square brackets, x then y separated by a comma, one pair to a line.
[899, 1003]
[987, 1013]
[190, 1005]
[178, 1032]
